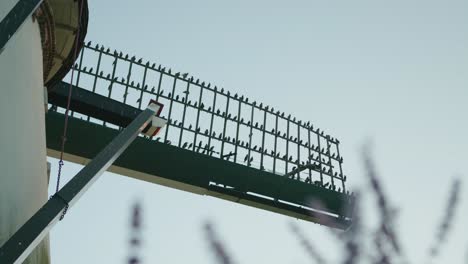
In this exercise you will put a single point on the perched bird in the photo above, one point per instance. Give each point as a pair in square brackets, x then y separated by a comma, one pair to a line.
[184, 75]
[184, 145]
[246, 158]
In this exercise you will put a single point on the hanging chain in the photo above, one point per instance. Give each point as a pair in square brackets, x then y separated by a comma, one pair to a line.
[64, 136]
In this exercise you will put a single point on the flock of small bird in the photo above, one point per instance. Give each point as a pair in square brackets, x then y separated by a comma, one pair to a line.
[322, 162]
[184, 76]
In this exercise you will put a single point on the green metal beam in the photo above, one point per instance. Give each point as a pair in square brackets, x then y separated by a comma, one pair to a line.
[183, 169]
[21, 244]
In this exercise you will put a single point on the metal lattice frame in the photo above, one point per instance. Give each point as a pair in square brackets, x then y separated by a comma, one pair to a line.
[212, 121]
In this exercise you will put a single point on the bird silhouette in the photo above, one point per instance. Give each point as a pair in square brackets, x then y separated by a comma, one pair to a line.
[184, 75]
[184, 145]
[140, 60]
[190, 145]
[246, 158]
[89, 43]
[152, 89]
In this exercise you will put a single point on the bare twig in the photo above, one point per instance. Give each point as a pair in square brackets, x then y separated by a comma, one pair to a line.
[447, 219]
[386, 214]
[306, 244]
[216, 245]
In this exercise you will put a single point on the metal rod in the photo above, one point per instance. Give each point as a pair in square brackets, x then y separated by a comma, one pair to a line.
[276, 144]
[330, 163]
[78, 75]
[96, 76]
[142, 87]
[212, 120]
[128, 81]
[237, 129]
[169, 123]
[23, 242]
[183, 113]
[225, 125]
[310, 153]
[287, 146]
[249, 147]
[198, 119]
[262, 151]
[320, 158]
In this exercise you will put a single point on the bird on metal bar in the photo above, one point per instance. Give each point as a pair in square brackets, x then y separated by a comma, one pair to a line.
[246, 158]
[184, 75]
[184, 145]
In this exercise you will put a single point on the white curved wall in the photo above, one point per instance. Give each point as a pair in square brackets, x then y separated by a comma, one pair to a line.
[23, 179]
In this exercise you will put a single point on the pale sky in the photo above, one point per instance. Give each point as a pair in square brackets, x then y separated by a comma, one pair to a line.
[394, 72]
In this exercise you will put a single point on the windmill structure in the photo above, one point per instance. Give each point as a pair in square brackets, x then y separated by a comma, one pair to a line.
[231, 147]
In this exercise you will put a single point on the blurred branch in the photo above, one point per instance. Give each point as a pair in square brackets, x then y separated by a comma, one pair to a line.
[216, 245]
[386, 215]
[308, 247]
[447, 219]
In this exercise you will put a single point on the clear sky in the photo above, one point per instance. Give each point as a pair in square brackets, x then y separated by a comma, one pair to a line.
[394, 72]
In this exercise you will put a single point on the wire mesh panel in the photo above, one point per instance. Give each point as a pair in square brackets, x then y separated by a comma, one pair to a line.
[209, 120]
